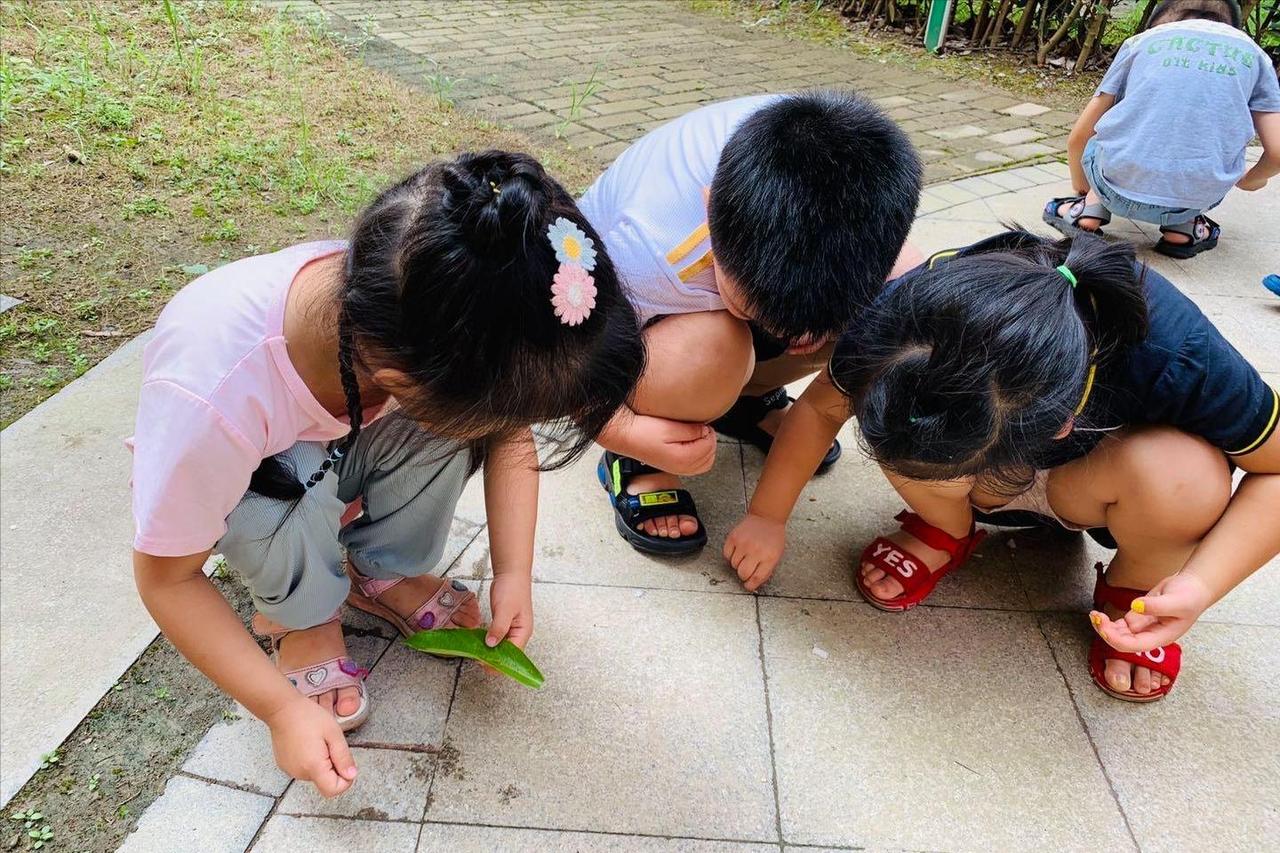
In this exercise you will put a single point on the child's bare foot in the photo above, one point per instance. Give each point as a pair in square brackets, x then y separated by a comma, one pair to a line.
[886, 587]
[411, 593]
[299, 649]
[667, 526]
[1124, 677]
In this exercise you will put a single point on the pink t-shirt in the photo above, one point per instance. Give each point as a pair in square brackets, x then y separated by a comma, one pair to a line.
[219, 395]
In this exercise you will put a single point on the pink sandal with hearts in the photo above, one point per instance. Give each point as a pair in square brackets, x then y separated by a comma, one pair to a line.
[319, 678]
[435, 612]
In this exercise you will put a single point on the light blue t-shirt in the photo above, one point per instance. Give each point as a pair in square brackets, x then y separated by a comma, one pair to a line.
[1185, 94]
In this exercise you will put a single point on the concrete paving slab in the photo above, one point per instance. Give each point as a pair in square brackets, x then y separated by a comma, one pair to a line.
[483, 839]
[391, 785]
[651, 697]
[907, 735]
[1196, 770]
[410, 693]
[239, 753]
[7, 302]
[196, 815]
[288, 834]
[66, 483]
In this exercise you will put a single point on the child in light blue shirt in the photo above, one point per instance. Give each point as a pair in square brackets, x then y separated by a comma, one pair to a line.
[1164, 138]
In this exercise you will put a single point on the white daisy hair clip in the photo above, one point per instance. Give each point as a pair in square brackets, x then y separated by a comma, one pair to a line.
[573, 290]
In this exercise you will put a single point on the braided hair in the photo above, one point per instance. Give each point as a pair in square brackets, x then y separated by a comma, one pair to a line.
[448, 283]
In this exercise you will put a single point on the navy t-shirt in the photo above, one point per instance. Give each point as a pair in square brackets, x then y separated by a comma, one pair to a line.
[1184, 374]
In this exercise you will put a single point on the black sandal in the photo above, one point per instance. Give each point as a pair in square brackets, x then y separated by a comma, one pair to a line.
[743, 423]
[1195, 245]
[1069, 225]
[615, 472]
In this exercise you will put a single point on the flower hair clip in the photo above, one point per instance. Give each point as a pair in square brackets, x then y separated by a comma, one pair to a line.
[573, 290]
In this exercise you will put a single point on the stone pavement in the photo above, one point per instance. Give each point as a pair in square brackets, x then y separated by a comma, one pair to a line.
[681, 714]
[531, 64]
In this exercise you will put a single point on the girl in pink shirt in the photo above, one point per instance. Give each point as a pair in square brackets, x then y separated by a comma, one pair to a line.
[282, 393]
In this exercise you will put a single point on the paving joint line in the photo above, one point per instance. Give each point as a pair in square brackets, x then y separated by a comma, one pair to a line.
[1084, 726]
[235, 786]
[605, 832]
[768, 716]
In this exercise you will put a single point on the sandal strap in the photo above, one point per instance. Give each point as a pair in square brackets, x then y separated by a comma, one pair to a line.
[657, 504]
[275, 636]
[371, 588]
[939, 539]
[1105, 594]
[1188, 228]
[331, 674]
[622, 468]
[439, 608]
[903, 566]
[1166, 660]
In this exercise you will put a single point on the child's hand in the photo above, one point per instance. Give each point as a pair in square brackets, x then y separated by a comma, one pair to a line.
[309, 746]
[674, 446]
[511, 597]
[1251, 184]
[1158, 618]
[754, 547]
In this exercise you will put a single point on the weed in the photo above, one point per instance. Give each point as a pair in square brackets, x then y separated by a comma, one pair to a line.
[146, 206]
[230, 716]
[578, 96]
[94, 781]
[40, 352]
[226, 232]
[31, 258]
[442, 86]
[220, 570]
[50, 759]
[162, 694]
[51, 378]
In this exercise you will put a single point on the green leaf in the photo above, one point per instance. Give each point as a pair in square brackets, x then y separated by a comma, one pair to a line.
[195, 269]
[505, 657]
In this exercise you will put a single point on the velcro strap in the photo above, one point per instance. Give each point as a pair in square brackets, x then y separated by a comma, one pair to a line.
[327, 675]
[647, 505]
[439, 608]
[628, 467]
[903, 566]
[959, 549]
[1166, 660]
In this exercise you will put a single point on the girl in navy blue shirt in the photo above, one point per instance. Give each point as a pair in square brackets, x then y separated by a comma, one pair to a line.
[1026, 380]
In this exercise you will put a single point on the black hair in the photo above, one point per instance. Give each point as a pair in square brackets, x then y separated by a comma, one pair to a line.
[1169, 11]
[812, 199]
[973, 366]
[448, 280]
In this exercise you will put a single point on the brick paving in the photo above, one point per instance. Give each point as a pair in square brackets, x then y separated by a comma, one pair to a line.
[521, 64]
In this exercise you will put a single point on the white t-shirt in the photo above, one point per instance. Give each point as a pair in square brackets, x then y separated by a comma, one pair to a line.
[650, 210]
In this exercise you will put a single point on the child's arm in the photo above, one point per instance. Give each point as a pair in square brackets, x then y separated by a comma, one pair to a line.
[755, 544]
[1243, 540]
[676, 447]
[198, 621]
[1079, 137]
[1268, 165]
[511, 503]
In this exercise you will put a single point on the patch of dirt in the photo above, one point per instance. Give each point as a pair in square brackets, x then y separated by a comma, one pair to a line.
[121, 755]
[449, 761]
[370, 813]
[507, 793]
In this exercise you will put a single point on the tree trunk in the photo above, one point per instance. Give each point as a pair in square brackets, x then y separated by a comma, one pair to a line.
[1059, 34]
[997, 23]
[1146, 14]
[980, 23]
[1100, 14]
[1024, 24]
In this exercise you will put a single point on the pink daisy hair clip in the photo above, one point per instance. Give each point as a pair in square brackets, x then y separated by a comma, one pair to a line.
[573, 290]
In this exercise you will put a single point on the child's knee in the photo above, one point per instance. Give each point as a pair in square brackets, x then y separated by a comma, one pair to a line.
[698, 365]
[1182, 480]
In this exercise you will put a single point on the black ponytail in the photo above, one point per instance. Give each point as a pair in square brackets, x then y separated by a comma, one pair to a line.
[974, 366]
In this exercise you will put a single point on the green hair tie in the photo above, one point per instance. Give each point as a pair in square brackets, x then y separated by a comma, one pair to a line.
[1068, 275]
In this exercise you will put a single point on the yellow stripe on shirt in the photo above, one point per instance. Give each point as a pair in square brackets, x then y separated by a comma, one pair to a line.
[697, 266]
[1267, 430]
[699, 234]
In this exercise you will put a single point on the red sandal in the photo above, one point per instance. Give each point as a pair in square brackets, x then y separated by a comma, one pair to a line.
[909, 570]
[1165, 660]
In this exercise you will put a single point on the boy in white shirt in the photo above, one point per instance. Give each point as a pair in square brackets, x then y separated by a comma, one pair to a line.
[747, 234]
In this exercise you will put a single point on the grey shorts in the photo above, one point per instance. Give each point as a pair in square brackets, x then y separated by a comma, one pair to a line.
[290, 554]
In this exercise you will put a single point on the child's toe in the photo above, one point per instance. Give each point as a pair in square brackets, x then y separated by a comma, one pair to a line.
[1142, 680]
[688, 525]
[347, 703]
[1118, 675]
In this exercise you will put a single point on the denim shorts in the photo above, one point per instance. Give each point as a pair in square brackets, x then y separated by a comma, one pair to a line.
[1121, 206]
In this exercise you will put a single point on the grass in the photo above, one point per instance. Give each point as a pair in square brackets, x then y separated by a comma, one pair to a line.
[142, 141]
